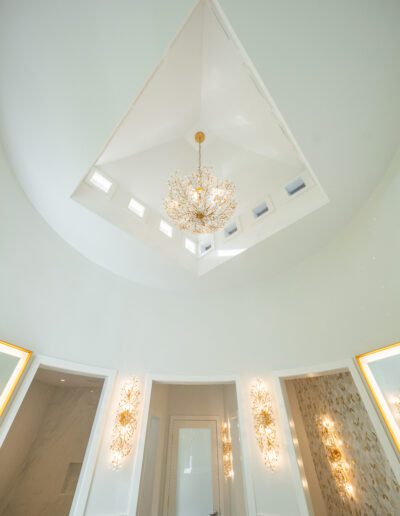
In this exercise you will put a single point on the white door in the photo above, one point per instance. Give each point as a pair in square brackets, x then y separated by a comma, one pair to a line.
[193, 474]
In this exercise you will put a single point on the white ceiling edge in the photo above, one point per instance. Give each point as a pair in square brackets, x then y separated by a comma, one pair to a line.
[349, 137]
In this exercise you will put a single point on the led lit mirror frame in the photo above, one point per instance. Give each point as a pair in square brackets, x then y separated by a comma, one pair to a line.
[13, 361]
[389, 407]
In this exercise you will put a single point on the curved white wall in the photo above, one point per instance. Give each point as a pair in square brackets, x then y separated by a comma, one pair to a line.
[340, 302]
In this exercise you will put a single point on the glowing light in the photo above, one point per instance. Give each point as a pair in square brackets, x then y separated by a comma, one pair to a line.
[227, 451]
[100, 182]
[125, 422]
[264, 424]
[332, 443]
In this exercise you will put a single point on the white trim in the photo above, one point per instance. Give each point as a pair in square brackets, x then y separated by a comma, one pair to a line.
[328, 368]
[192, 380]
[93, 445]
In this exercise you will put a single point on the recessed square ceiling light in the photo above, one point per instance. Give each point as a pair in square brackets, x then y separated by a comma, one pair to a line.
[100, 182]
[136, 207]
[166, 228]
[190, 245]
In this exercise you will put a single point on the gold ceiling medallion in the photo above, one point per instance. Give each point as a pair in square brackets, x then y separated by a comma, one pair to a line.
[200, 203]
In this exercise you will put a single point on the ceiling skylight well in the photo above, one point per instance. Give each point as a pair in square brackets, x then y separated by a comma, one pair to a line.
[136, 207]
[295, 186]
[166, 228]
[260, 210]
[231, 229]
[100, 182]
[190, 245]
[204, 85]
[206, 247]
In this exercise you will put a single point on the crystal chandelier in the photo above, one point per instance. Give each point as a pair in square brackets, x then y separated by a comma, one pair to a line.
[200, 203]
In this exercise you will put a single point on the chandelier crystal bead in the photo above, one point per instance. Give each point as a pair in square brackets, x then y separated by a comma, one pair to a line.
[200, 203]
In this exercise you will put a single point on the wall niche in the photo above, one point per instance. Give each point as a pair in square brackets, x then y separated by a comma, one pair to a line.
[343, 465]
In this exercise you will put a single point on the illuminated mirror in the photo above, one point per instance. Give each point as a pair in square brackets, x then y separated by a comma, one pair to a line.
[13, 361]
[381, 370]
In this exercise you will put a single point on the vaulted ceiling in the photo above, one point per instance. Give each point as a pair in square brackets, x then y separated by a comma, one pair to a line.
[70, 74]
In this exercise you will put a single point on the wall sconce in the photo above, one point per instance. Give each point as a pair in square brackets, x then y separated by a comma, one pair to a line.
[227, 451]
[264, 424]
[340, 468]
[125, 423]
[396, 404]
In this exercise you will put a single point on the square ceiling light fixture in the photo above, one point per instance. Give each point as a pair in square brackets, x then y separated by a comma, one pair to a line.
[204, 75]
[100, 181]
[166, 228]
[137, 208]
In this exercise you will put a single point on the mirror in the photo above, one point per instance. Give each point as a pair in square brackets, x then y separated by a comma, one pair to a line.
[381, 370]
[13, 361]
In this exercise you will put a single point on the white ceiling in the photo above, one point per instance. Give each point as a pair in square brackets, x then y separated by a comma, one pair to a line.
[69, 73]
[205, 81]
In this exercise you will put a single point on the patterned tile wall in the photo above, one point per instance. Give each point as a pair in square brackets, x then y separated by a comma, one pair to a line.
[376, 491]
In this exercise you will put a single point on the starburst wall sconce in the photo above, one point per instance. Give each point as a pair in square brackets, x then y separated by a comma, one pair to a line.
[126, 421]
[264, 424]
[333, 448]
[227, 451]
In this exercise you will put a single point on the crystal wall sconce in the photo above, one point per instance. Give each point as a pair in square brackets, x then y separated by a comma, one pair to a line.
[339, 467]
[126, 421]
[264, 424]
[227, 451]
[396, 405]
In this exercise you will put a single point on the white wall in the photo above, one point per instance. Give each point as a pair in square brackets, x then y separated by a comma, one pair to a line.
[340, 302]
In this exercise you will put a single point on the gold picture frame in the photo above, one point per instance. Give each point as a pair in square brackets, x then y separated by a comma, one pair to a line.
[15, 361]
[384, 405]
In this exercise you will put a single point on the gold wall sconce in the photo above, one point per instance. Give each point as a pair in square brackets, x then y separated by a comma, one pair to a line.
[264, 424]
[227, 458]
[126, 421]
[333, 448]
[396, 405]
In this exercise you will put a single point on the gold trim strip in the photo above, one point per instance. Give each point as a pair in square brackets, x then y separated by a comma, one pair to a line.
[13, 386]
[359, 359]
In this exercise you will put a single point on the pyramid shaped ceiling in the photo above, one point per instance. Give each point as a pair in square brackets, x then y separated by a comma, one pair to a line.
[204, 82]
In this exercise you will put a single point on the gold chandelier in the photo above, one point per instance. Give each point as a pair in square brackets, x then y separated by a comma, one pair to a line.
[200, 203]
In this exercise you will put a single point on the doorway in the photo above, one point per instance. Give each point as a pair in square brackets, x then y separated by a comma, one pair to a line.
[192, 463]
[194, 473]
[42, 456]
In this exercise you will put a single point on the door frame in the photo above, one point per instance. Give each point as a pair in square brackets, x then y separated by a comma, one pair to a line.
[93, 445]
[217, 420]
[244, 431]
